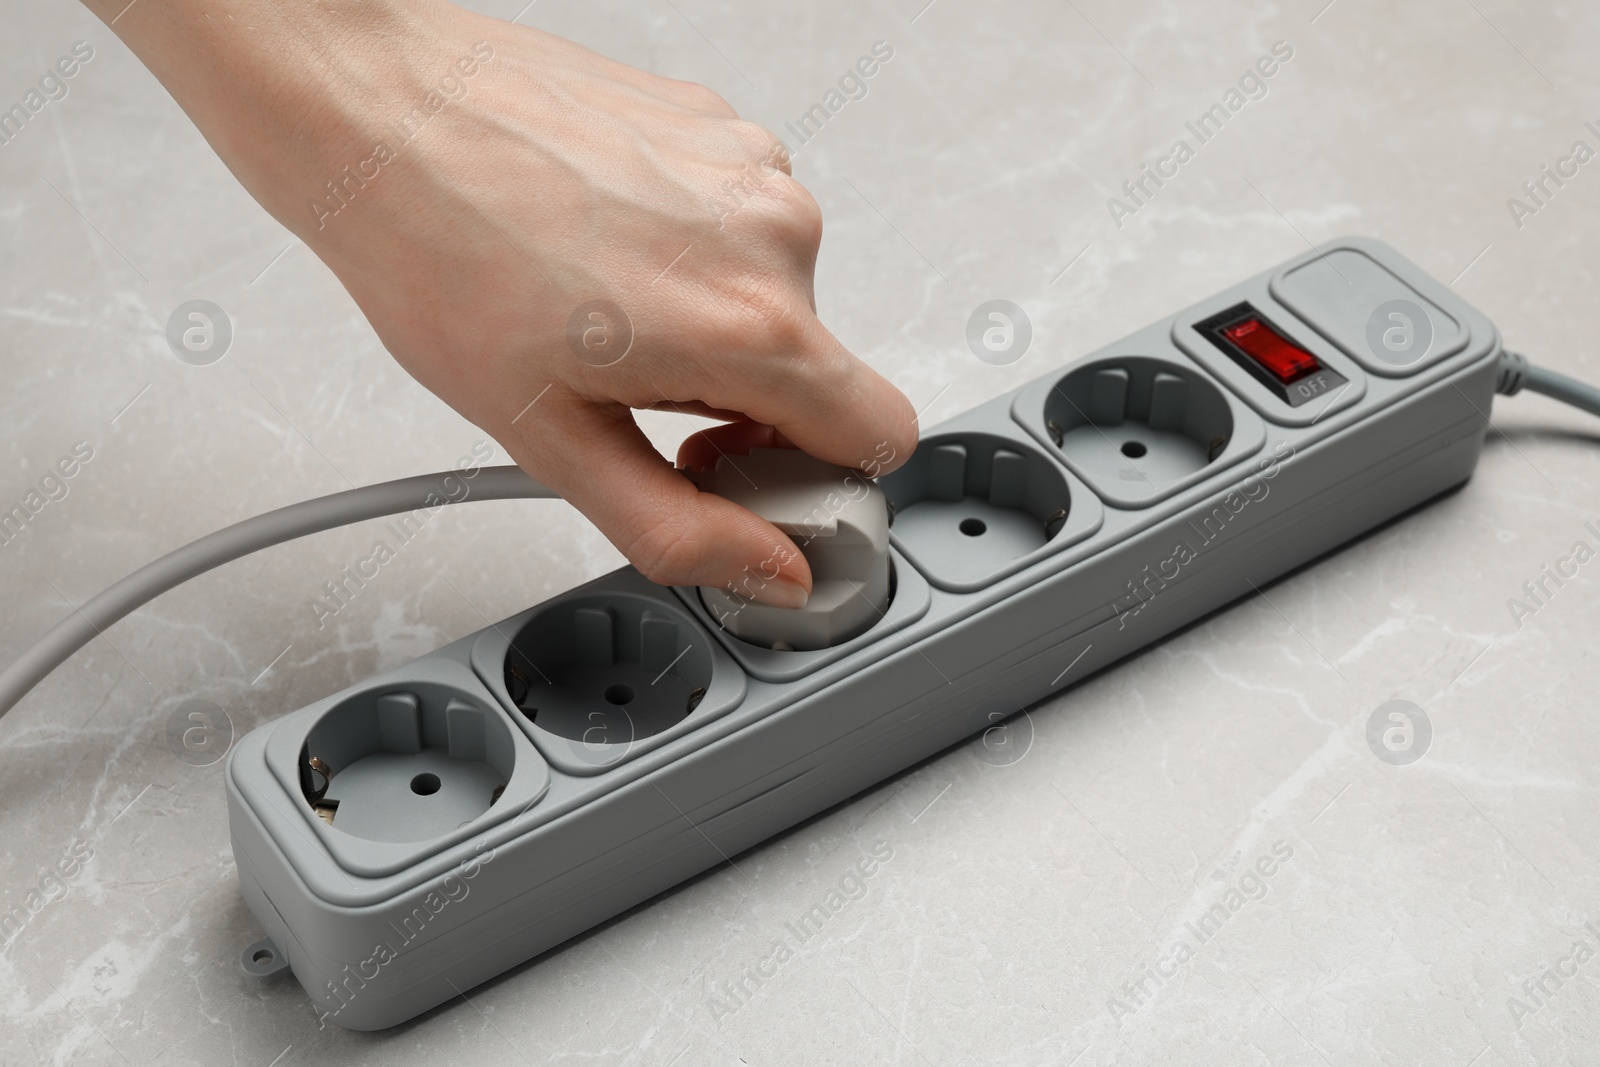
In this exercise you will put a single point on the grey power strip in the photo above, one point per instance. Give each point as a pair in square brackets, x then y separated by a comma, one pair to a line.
[425, 830]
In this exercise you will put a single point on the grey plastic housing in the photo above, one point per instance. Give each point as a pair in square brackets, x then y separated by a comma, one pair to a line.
[377, 931]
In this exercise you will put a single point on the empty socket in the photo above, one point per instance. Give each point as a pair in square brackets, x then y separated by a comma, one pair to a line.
[1137, 428]
[407, 763]
[607, 670]
[968, 507]
[610, 671]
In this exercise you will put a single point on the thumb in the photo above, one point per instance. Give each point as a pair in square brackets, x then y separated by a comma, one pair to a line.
[596, 457]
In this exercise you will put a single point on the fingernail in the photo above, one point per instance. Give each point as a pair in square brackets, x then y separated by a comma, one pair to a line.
[781, 593]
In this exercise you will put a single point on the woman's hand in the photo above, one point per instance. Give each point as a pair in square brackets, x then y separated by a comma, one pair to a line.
[546, 239]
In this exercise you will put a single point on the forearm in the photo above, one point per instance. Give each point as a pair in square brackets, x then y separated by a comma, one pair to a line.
[284, 91]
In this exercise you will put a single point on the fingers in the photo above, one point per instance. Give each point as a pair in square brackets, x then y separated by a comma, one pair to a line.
[803, 392]
[596, 457]
[742, 340]
[761, 356]
[695, 407]
[761, 350]
[822, 399]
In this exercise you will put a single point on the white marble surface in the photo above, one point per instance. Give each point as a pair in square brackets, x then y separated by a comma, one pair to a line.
[1020, 899]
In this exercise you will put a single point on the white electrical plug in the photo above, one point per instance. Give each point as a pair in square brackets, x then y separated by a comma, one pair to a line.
[838, 517]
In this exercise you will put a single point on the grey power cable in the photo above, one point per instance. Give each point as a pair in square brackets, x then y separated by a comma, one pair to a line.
[1517, 374]
[252, 535]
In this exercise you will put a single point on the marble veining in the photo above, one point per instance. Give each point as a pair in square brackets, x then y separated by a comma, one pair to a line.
[1034, 908]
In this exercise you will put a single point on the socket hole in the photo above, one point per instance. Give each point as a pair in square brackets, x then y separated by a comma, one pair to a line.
[262, 958]
[406, 765]
[1001, 495]
[606, 670]
[1171, 419]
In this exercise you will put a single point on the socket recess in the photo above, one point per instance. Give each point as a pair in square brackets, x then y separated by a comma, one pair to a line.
[396, 769]
[406, 764]
[971, 506]
[1139, 428]
[607, 672]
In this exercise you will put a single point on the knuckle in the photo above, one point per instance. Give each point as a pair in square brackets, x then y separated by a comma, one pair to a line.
[798, 212]
[699, 98]
[765, 315]
[756, 141]
[780, 209]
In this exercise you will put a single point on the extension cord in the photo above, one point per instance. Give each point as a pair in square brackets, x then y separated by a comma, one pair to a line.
[425, 830]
